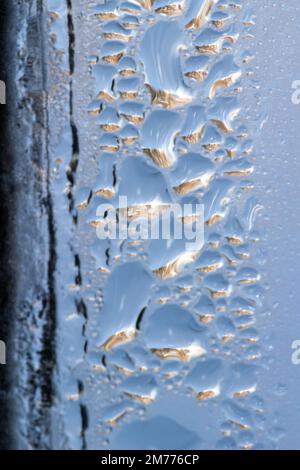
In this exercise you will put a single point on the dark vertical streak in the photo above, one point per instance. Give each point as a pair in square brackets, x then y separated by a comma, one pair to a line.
[71, 174]
[7, 206]
[71, 37]
[74, 131]
[48, 358]
[84, 417]
[84, 425]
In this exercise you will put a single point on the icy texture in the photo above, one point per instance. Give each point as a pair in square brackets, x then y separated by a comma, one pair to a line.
[157, 346]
